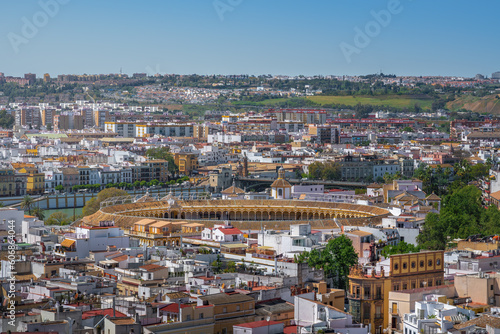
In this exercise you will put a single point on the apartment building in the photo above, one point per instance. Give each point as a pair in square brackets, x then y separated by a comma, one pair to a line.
[369, 286]
[229, 310]
[7, 182]
[135, 129]
[187, 162]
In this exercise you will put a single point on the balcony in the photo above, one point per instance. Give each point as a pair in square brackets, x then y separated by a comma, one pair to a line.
[145, 235]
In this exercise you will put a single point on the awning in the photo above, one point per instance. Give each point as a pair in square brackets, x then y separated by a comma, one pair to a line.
[231, 246]
[68, 243]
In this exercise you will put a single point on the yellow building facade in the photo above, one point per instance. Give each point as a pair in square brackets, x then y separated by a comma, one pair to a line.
[369, 287]
[35, 181]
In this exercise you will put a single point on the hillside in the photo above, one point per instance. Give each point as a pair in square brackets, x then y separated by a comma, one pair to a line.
[391, 100]
[487, 104]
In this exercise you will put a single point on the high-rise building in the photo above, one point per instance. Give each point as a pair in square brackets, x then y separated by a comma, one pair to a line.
[30, 117]
[46, 77]
[68, 121]
[48, 116]
[495, 75]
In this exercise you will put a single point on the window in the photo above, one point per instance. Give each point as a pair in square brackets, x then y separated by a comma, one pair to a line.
[280, 192]
[366, 311]
[224, 310]
[422, 264]
[237, 307]
[396, 266]
[438, 262]
[404, 265]
[413, 264]
[201, 315]
[430, 263]
[367, 292]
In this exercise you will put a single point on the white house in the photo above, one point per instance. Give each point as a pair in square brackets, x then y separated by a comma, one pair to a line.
[222, 233]
[311, 315]
[91, 238]
[300, 238]
[434, 317]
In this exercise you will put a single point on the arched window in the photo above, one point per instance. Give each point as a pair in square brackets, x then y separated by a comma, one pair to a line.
[280, 192]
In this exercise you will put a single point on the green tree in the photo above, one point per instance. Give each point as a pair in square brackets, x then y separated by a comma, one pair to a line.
[94, 204]
[401, 248]
[462, 215]
[407, 129]
[335, 259]
[27, 203]
[6, 120]
[58, 218]
[59, 187]
[163, 153]
[38, 212]
[217, 265]
[329, 170]
[230, 267]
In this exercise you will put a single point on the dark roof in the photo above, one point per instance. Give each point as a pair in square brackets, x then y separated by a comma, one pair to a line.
[273, 306]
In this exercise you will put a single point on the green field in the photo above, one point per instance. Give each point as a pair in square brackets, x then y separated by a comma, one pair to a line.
[397, 101]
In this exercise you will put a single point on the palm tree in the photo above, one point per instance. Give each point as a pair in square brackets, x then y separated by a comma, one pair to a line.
[27, 203]
[39, 213]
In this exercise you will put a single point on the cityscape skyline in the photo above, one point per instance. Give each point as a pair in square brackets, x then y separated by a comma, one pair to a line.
[230, 37]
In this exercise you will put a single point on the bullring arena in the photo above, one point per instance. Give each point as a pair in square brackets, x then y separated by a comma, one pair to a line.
[243, 214]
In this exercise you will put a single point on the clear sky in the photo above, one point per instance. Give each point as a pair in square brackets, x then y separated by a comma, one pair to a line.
[421, 37]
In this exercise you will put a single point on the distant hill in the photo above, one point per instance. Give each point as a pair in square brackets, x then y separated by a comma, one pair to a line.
[391, 100]
[486, 104]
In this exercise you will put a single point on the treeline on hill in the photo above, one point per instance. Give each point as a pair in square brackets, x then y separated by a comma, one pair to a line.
[39, 89]
[462, 212]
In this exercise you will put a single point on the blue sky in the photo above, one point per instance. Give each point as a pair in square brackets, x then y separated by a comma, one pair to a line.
[422, 37]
